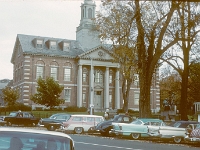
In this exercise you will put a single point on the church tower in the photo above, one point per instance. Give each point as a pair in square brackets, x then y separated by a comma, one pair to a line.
[84, 34]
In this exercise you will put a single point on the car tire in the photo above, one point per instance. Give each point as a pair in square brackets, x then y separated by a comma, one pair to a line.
[78, 130]
[177, 139]
[135, 136]
[51, 128]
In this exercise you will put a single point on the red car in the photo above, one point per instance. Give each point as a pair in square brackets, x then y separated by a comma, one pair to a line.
[193, 135]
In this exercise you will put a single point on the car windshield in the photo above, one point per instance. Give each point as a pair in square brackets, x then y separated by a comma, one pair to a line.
[137, 122]
[13, 114]
[25, 141]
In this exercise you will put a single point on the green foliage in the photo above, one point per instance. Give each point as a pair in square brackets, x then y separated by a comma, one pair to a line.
[16, 107]
[10, 96]
[75, 109]
[48, 93]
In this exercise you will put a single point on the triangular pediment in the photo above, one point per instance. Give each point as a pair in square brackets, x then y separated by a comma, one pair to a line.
[98, 53]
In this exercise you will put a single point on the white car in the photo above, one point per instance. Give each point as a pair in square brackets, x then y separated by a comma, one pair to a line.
[136, 129]
[81, 123]
[33, 139]
[177, 132]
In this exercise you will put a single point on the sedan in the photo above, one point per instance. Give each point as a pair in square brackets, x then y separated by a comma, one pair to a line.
[176, 132]
[33, 139]
[53, 122]
[137, 128]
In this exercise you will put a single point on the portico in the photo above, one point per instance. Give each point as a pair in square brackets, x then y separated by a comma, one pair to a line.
[99, 82]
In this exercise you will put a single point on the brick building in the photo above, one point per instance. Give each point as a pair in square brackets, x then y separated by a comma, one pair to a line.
[83, 66]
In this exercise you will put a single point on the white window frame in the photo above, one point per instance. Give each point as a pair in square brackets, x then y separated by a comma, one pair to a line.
[84, 97]
[67, 95]
[39, 71]
[67, 74]
[66, 46]
[54, 73]
[136, 98]
[39, 44]
[53, 45]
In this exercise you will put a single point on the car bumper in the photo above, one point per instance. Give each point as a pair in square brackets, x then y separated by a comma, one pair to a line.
[115, 132]
[192, 139]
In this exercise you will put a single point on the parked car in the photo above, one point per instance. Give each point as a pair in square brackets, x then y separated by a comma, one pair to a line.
[2, 122]
[33, 139]
[193, 133]
[136, 129]
[21, 118]
[81, 123]
[176, 132]
[106, 126]
[54, 121]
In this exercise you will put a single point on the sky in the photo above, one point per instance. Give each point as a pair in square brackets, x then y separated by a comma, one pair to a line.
[48, 18]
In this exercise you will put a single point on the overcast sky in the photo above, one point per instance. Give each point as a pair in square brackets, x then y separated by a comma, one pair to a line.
[49, 18]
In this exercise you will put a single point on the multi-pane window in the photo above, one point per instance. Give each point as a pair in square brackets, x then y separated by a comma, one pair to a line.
[110, 76]
[67, 71]
[84, 98]
[136, 98]
[66, 46]
[98, 77]
[52, 45]
[67, 95]
[40, 69]
[54, 72]
[110, 98]
[67, 74]
[84, 75]
[39, 44]
[39, 72]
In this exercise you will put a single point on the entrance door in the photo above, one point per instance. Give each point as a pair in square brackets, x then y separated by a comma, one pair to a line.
[98, 100]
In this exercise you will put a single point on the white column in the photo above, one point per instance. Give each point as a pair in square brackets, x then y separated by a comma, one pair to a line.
[117, 90]
[79, 87]
[92, 84]
[106, 88]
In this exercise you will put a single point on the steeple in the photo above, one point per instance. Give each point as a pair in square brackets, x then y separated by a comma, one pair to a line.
[84, 33]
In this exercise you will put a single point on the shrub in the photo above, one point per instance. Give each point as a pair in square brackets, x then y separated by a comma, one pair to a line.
[75, 109]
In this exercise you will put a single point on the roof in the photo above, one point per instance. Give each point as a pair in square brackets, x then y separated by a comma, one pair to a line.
[27, 44]
[26, 130]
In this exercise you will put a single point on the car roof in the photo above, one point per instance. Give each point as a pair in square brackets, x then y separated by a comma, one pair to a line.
[61, 114]
[87, 115]
[26, 130]
[149, 119]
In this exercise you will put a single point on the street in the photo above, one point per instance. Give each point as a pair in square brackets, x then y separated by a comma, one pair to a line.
[84, 142]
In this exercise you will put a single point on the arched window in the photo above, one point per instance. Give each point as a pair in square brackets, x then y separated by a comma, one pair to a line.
[39, 69]
[54, 70]
[67, 71]
[89, 13]
[98, 76]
